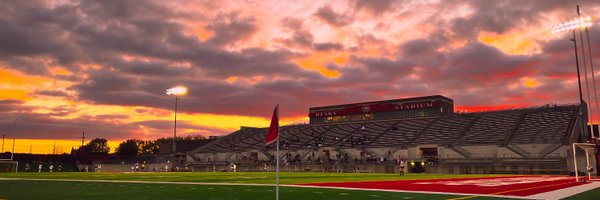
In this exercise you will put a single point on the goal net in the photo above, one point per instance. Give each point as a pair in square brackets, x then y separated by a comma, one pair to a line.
[589, 164]
[8, 166]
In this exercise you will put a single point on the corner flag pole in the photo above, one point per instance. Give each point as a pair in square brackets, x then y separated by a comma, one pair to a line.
[277, 153]
[273, 136]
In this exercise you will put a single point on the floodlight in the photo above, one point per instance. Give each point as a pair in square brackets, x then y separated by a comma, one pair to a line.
[179, 90]
[581, 23]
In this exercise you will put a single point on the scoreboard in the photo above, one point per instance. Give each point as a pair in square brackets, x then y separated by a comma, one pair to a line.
[428, 106]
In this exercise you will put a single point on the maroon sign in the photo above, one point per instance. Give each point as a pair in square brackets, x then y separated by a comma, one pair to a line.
[373, 108]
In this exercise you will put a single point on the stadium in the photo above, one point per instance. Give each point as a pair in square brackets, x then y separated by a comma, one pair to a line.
[423, 131]
[353, 150]
[381, 99]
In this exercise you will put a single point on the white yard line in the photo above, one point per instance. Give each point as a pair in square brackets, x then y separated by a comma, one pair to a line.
[125, 181]
[411, 191]
[272, 185]
[566, 192]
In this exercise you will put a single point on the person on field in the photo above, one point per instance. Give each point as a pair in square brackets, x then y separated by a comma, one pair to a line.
[51, 167]
[59, 168]
[40, 168]
[401, 167]
[265, 167]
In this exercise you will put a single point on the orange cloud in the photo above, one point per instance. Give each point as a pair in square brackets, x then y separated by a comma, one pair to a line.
[202, 33]
[48, 146]
[511, 43]
[529, 82]
[15, 85]
[317, 62]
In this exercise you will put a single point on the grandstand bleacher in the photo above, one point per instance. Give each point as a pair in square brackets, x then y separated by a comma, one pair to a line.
[539, 126]
[501, 137]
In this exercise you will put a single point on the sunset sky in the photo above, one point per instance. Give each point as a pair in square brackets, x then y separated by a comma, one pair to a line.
[103, 66]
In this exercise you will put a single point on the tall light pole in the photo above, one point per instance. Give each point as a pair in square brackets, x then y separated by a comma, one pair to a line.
[176, 91]
[578, 23]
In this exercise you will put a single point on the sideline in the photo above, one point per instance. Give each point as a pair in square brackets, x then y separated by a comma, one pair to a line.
[516, 190]
[566, 192]
[265, 185]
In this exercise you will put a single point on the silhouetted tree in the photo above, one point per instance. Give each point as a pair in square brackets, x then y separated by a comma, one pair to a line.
[129, 148]
[98, 146]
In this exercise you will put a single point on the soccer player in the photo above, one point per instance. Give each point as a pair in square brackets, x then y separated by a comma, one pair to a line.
[51, 167]
[401, 167]
[40, 168]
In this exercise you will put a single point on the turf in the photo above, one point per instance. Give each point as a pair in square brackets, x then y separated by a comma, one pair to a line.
[26, 189]
[591, 195]
[239, 177]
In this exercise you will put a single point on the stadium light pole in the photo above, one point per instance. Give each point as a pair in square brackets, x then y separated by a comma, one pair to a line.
[12, 154]
[572, 25]
[176, 91]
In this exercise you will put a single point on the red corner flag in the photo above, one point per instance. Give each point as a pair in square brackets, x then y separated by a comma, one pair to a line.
[274, 128]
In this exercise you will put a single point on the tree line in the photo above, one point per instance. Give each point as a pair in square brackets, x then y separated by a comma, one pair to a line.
[130, 147]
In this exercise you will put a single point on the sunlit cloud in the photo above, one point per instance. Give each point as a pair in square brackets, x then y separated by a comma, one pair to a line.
[103, 66]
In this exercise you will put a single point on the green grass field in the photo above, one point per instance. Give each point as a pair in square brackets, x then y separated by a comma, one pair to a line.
[68, 185]
[239, 177]
[91, 190]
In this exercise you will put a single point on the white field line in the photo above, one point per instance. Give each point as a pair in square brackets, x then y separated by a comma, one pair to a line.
[411, 191]
[125, 181]
[271, 185]
[566, 192]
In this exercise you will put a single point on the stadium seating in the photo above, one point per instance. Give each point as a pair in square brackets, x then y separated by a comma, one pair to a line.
[444, 131]
[491, 128]
[546, 125]
[401, 132]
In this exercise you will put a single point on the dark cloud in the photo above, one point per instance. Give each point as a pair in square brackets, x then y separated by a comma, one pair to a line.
[329, 16]
[112, 117]
[502, 16]
[151, 68]
[27, 65]
[480, 61]
[230, 28]
[301, 37]
[163, 125]
[11, 106]
[52, 93]
[40, 126]
[128, 52]
[328, 46]
[377, 7]
[11, 101]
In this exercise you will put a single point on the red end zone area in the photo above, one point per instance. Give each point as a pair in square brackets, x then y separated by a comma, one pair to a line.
[514, 185]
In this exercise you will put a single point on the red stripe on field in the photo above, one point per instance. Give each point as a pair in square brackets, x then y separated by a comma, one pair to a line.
[513, 185]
